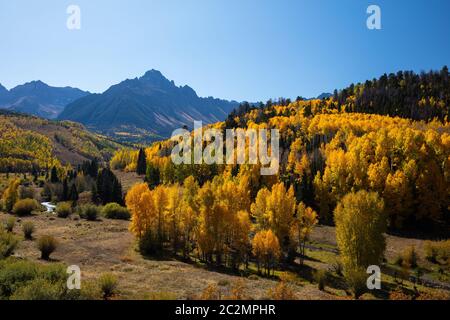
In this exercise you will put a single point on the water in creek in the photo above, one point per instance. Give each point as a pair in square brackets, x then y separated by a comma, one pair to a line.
[49, 206]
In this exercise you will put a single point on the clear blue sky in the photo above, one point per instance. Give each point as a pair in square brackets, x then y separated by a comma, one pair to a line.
[235, 49]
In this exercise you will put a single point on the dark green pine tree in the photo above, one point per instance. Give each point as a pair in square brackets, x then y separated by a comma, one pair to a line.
[54, 175]
[65, 193]
[94, 197]
[141, 163]
[73, 193]
[34, 172]
[153, 176]
[117, 196]
[108, 187]
[93, 168]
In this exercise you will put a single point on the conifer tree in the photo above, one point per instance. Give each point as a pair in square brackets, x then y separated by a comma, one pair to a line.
[73, 193]
[65, 193]
[108, 187]
[141, 163]
[54, 175]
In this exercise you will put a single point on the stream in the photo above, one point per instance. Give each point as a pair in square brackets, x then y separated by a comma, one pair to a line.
[49, 206]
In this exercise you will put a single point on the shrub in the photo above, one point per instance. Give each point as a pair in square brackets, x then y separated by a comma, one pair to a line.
[25, 280]
[63, 210]
[211, 292]
[431, 251]
[89, 212]
[356, 279]
[398, 260]
[108, 285]
[238, 289]
[25, 207]
[14, 274]
[10, 223]
[39, 289]
[282, 292]
[89, 291]
[320, 276]
[28, 229]
[47, 245]
[337, 267]
[8, 243]
[410, 257]
[115, 211]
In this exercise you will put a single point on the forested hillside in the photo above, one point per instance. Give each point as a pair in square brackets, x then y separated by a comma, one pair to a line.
[30, 143]
[415, 96]
[328, 149]
[353, 190]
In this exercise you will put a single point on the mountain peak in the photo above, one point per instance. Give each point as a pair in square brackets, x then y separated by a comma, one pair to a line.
[150, 102]
[154, 76]
[37, 82]
[153, 72]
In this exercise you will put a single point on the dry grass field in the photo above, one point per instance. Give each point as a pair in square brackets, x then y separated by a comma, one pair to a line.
[107, 246]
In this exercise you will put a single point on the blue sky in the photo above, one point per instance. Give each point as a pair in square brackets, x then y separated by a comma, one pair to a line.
[235, 49]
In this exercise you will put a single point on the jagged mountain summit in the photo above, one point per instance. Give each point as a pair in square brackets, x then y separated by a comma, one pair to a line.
[150, 103]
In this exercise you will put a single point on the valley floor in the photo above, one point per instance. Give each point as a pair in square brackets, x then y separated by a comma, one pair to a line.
[107, 246]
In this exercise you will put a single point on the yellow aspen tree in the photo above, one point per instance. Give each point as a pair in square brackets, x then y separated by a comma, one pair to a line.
[11, 195]
[302, 227]
[240, 246]
[360, 227]
[140, 203]
[281, 210]
[175, 210]
[266, 249]
[161, 203]
[259, 209]
[209, 222]
[189, 214]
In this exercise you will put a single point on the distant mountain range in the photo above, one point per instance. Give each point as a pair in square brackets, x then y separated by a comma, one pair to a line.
[151, 103]
[38, 98]
[137, 110]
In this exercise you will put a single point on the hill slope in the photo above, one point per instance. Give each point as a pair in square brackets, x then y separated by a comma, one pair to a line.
[329, 148]
[150, 103]
[28, 141]
[38, 98]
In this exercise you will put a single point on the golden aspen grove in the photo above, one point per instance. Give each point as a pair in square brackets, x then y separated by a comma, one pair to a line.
[357, 187]
[225, 159]
[339, 162]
